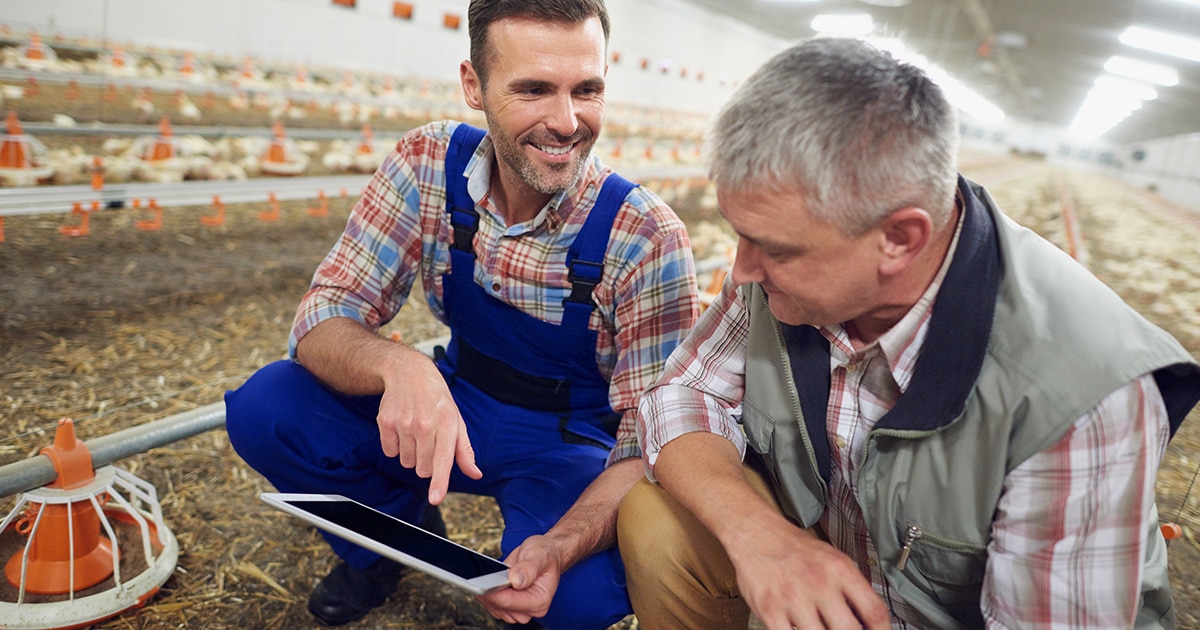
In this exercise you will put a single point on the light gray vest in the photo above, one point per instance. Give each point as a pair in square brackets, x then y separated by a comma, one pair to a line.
[1011, 360]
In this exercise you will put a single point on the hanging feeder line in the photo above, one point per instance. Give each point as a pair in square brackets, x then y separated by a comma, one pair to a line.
[53, 199]
[38, 471]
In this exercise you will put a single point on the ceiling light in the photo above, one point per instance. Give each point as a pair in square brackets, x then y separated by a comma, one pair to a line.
[855, 24]
[887, 3]
[1162, 42]
[1113, 85]
[1099, 113]
[1110, 101]
[1141, 70]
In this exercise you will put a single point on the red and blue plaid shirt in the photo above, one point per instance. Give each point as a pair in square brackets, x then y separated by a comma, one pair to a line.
[399, 233]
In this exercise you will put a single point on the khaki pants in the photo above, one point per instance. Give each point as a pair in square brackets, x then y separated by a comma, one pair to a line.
[678, 574]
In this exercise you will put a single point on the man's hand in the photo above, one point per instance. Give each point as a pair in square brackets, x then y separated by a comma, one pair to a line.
[419, 422]
[788, 576]
[792, 579]
[534, 570]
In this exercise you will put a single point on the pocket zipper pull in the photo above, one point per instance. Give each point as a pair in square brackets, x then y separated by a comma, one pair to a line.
[913, 534]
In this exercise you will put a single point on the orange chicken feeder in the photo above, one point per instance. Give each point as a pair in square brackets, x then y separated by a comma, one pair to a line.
[96, 544]
[282, 157]
[22, 157]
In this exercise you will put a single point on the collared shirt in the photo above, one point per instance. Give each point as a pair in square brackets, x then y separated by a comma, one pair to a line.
[1068, 539]
[399, 232]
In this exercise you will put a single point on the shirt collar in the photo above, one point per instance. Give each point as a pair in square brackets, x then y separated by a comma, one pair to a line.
[556, 211]
[901, 344]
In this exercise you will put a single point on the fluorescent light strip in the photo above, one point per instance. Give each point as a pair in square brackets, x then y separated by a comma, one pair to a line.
[1162, 42]
[1142, 71]
[1124, 87]
[1103, 108]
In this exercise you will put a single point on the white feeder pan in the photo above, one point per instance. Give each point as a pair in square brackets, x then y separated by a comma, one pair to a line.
[143, 508]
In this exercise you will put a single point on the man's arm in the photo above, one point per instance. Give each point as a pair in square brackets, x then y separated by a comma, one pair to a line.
[1069, 542]
[360, 285]
[787, 575]
[418, 419]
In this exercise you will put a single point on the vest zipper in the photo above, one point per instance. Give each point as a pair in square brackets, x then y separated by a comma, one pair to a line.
[914, 534]
[794, 397]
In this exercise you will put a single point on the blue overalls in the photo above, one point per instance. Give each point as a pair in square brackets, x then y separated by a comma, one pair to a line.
[534, 402]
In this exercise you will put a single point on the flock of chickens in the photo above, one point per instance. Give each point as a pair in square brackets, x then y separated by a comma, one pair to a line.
[166, 87]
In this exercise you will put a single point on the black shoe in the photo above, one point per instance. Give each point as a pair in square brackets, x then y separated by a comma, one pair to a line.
[347, 594]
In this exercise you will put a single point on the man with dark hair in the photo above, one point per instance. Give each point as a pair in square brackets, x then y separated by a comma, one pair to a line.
[903, 410]
[565, 288]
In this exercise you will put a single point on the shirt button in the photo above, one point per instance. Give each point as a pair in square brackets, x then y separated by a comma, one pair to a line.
[850, 367]
[840, 441]
[495, 286]
[872, 562]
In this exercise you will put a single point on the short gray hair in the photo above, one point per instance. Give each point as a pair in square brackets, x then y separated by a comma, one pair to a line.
[857, 132]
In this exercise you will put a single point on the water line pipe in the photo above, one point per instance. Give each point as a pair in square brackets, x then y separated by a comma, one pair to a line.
[38, 471]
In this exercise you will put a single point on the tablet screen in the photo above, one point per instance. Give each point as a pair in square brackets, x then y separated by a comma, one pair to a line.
[411, 540]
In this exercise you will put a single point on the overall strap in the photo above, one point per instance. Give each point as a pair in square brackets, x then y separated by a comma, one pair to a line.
[585, 259]
[459, 204]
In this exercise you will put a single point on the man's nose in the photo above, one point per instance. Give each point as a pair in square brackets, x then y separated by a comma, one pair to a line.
[562, 118]
[747, 265]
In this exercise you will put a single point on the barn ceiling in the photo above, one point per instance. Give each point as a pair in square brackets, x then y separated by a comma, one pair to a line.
[1036, 60]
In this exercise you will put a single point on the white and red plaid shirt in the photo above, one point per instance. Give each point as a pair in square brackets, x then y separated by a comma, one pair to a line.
[1068, 537]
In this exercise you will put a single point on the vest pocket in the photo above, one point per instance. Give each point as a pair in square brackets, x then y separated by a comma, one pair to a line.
[759, 429]
[950, 571]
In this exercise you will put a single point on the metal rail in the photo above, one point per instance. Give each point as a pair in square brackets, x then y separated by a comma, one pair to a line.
[28, 200]
[51, 199]
[203, 87]
[38, 471]
[213, 131]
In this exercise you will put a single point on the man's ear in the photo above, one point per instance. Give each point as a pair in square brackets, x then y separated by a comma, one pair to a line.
[904, 235]
[472, 89]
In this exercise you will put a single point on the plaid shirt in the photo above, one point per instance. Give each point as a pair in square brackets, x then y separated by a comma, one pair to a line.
[1068, 539]
[399, 231]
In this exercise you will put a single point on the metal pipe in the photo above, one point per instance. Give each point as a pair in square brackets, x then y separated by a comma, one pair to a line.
[218, 131]
[38, 471]
[29, 200]
[982, 22]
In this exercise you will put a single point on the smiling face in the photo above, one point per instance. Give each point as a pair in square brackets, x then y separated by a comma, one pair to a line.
[544, 103]
[812, 272]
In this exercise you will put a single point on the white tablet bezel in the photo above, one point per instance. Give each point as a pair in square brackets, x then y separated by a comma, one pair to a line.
[477, 586]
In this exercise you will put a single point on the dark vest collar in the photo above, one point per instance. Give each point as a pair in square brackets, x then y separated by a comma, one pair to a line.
[955, 345]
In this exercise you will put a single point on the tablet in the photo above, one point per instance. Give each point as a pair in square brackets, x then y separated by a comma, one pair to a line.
[393, 538]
